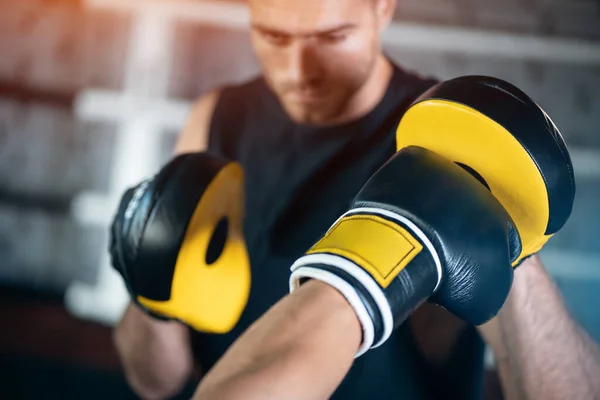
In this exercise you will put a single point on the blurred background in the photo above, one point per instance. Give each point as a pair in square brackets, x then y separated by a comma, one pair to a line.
[93, 93]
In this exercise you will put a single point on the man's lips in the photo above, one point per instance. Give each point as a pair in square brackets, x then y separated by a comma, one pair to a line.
[307, 96]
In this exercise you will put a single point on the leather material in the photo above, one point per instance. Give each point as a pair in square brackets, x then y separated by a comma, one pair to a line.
[530, 125]
[500, 135]
[172, 235]
[468, 227]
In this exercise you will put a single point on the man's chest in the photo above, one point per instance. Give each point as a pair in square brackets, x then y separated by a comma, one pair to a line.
[292, 200]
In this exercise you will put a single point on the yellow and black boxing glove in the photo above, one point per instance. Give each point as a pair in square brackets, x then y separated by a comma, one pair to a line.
[177, 241]
[480, 181]
[504, 139]
[420, 226]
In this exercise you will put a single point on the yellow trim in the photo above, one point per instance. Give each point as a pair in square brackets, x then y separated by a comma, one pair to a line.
[465, 135]
[379, 246]
[211, 298]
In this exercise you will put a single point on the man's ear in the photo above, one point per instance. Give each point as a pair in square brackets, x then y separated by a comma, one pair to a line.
[385, 10]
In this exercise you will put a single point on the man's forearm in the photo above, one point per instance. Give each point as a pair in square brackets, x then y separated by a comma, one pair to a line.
[541, 352]
[156, 355]
[300, 349]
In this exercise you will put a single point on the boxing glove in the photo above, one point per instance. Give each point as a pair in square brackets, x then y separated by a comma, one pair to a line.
[421, 228]
[176, 239]
[505, 139]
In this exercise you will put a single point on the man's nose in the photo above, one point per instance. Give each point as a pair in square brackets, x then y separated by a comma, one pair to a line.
[303, 66]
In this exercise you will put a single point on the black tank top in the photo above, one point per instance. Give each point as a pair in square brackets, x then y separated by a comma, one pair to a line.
[299, 180]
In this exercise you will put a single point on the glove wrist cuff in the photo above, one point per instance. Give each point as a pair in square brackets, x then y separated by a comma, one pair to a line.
[360, 290]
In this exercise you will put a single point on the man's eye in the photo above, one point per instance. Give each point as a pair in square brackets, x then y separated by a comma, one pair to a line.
[276, 38]
[333, 37]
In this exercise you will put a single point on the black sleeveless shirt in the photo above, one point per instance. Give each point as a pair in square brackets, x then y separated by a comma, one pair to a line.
[299, 180]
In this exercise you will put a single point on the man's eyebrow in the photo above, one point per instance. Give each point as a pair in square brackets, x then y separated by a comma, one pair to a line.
[328, 31]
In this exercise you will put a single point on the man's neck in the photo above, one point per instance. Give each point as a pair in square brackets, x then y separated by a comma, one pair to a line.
[370, 94]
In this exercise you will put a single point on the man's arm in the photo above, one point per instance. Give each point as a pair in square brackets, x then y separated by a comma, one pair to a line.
[300, 349]
[195, 134]
[436, 331]
[451, 353]
[157, 355]
[541, 352]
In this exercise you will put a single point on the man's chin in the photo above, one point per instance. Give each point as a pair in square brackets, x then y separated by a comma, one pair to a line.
[306, 115]
[309, 119]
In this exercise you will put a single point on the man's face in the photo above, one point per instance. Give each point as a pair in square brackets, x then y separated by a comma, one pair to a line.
[315, 54]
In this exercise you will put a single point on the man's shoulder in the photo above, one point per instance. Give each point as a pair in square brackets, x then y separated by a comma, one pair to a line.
[234, 90]
[240, 97]
[247, 87]
[410, 76]
[235, 104]
[407, 85]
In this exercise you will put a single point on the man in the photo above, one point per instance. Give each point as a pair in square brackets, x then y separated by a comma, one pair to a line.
[309, 133]
[302, 362]
[458, 231]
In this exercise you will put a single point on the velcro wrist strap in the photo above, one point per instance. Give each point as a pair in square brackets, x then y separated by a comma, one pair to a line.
[367, 248]
[380, 241]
